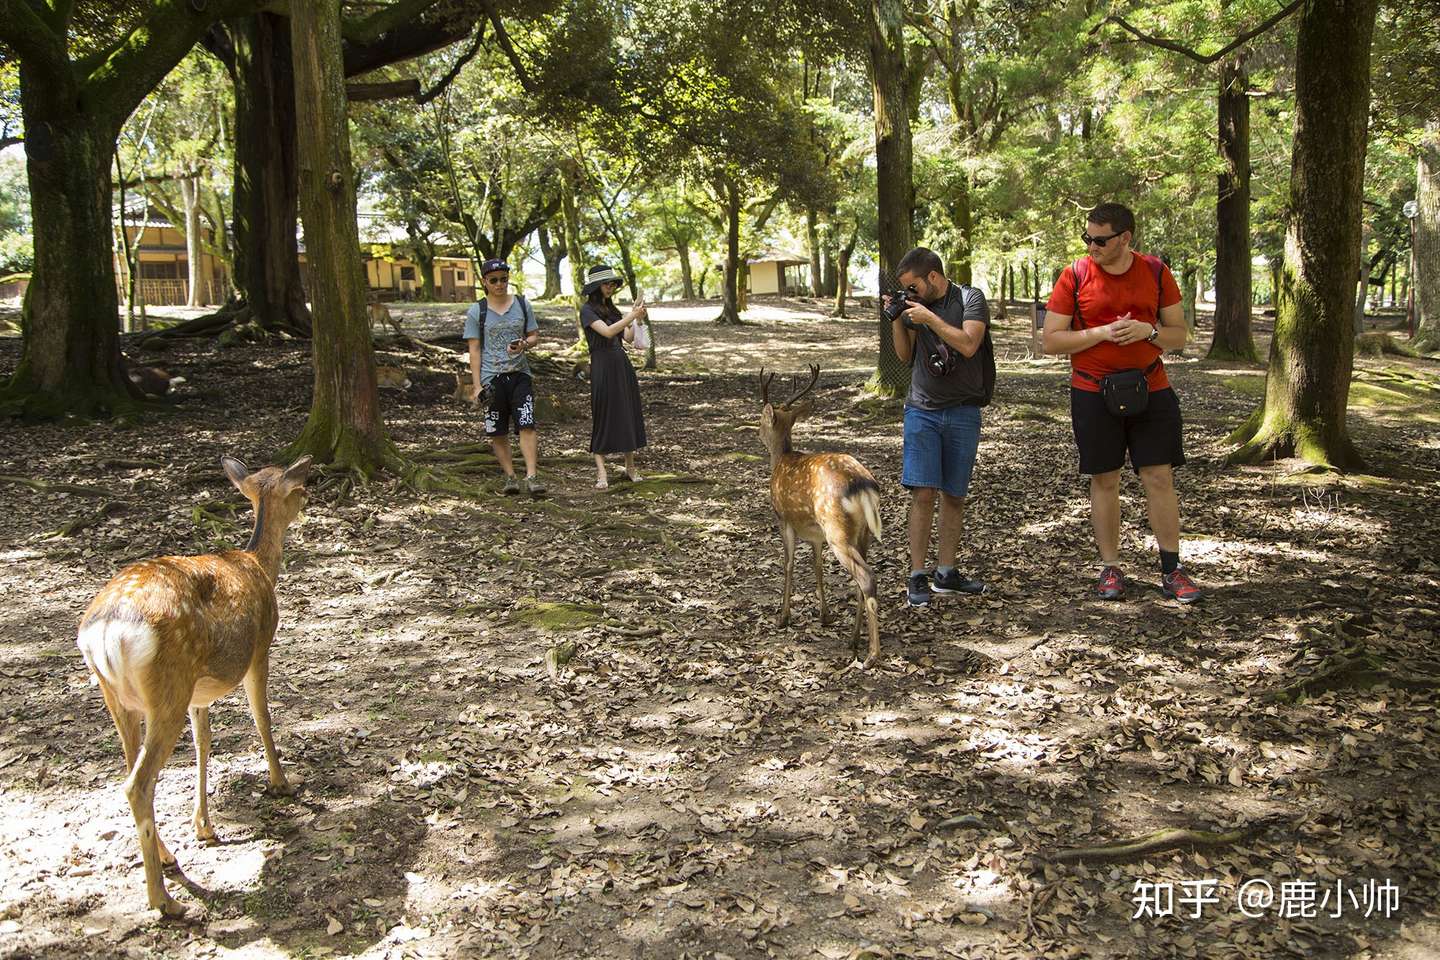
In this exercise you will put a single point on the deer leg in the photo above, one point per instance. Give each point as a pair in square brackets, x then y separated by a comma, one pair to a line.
[853, 560]
[255, 682]
[787, 539]
[200, 730]
[820, 583]
[127, 723]
[161, 731]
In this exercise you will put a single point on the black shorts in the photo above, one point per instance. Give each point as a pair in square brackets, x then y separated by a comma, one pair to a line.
[1103, 439]
[512, 398]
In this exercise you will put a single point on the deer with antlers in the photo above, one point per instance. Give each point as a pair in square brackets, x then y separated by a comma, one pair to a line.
[171, 635]
[822, 498]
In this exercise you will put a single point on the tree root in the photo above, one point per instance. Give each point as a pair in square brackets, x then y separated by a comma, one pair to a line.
[1358, 671]
[85, 521]
[45, 486]
[1166, 839]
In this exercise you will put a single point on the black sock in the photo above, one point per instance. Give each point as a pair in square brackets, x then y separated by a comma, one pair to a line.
[1169, 561]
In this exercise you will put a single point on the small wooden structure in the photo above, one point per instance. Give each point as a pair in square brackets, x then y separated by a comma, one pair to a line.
[778, 272]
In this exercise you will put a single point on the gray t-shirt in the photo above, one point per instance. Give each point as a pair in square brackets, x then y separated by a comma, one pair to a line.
[500, 329]
[966, 383]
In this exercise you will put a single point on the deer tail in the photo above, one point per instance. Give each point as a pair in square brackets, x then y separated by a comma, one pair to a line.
[862, 497]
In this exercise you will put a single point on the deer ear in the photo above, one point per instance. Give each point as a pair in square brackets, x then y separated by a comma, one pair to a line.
[298, 471]
[804, 409]
[767, 415]
[234, 469]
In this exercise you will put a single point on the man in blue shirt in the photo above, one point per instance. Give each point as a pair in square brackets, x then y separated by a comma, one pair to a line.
[498, 366]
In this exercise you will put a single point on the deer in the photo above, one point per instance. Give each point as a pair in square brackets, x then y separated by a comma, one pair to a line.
[171, 635]
[822, 498]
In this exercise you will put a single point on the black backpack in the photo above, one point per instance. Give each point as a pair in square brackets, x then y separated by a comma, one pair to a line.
[525, 311]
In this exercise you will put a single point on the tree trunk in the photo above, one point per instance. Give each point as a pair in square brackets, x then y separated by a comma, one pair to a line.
[812, 239]
[1189, 277]
[828, 277]
[71, 356]
[1232, 339]
[573, 250]
[1426, 282]
[700, 281]
[1311, 353]
[730, 288]
[552, 253]
[687, 285]
[344, 426]
[190, 201]
[962, 214]
[842, 279]
[894, 172]
[267, 262]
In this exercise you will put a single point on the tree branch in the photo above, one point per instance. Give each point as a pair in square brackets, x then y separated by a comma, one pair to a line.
[27, 33]
[1180, 48]
[454, 71]
[508, 48]
[389, 90]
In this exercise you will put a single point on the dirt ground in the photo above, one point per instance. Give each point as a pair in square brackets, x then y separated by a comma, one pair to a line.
[696, 782]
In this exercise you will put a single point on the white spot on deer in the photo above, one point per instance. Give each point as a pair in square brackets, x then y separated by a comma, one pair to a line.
[118, 651]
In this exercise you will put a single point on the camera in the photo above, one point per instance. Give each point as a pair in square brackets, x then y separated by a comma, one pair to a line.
[900, 301]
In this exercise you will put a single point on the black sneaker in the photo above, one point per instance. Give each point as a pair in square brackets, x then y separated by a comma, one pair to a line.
[918, 590]
[952, 582]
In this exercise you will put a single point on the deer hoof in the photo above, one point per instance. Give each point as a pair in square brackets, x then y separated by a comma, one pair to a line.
[206, 834]
[282, 789]
[172, 909]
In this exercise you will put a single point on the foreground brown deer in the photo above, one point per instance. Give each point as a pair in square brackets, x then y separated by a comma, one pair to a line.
[174, 634]
[822, 498]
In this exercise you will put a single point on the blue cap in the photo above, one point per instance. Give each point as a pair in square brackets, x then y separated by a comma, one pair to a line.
[493, 264]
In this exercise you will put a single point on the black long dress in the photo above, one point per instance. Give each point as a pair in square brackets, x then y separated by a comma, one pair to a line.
[617, 422]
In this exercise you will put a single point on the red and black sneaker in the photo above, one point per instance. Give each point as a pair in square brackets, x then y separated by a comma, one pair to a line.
[1177, 585]
[1111, 585]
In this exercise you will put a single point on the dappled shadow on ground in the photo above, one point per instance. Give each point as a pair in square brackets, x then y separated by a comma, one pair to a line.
[697, 781]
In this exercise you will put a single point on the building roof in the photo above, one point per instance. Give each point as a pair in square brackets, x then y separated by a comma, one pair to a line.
[778, 256]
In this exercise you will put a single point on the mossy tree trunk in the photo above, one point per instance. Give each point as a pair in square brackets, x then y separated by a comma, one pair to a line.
[552, 253]
[812, 241]
[1426, 282]
[573, 249]
[729, 194]
[1311, 353]
[1233, 339]
[842, 279]
[345, 427]
[73, 110]
[894, 172]
[267, 261]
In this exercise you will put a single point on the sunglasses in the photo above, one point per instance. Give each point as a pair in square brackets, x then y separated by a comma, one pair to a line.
[1098, 241]
[504, 279]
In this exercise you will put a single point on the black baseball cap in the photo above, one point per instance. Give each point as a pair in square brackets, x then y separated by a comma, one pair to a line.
[492, 265]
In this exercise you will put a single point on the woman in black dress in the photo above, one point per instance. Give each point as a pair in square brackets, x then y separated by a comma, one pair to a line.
[617, 423]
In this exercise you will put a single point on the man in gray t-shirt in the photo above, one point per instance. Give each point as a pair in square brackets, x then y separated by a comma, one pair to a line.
[506, 327]
[945, 336]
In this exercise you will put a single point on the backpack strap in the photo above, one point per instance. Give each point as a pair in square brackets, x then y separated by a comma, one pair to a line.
[1079, 278]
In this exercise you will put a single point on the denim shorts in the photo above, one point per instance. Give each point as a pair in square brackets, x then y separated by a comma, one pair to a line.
[940, 448]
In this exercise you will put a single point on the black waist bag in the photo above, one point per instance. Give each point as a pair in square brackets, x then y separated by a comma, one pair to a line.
[1126, 392]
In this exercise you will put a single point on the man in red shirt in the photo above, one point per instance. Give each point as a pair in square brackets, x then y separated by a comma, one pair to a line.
[1116, 310]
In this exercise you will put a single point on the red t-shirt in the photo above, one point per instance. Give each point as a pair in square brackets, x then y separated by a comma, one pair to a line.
[1103, 297]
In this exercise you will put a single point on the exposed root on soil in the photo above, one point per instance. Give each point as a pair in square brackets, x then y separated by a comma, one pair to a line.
[45, 486]
[1166, 839]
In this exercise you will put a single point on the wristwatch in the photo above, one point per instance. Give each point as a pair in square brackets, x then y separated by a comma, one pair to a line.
[1154, 332]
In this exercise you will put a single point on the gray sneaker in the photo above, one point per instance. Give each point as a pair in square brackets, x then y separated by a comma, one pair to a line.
[535, 486]
[512, 485]
[953, 582]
